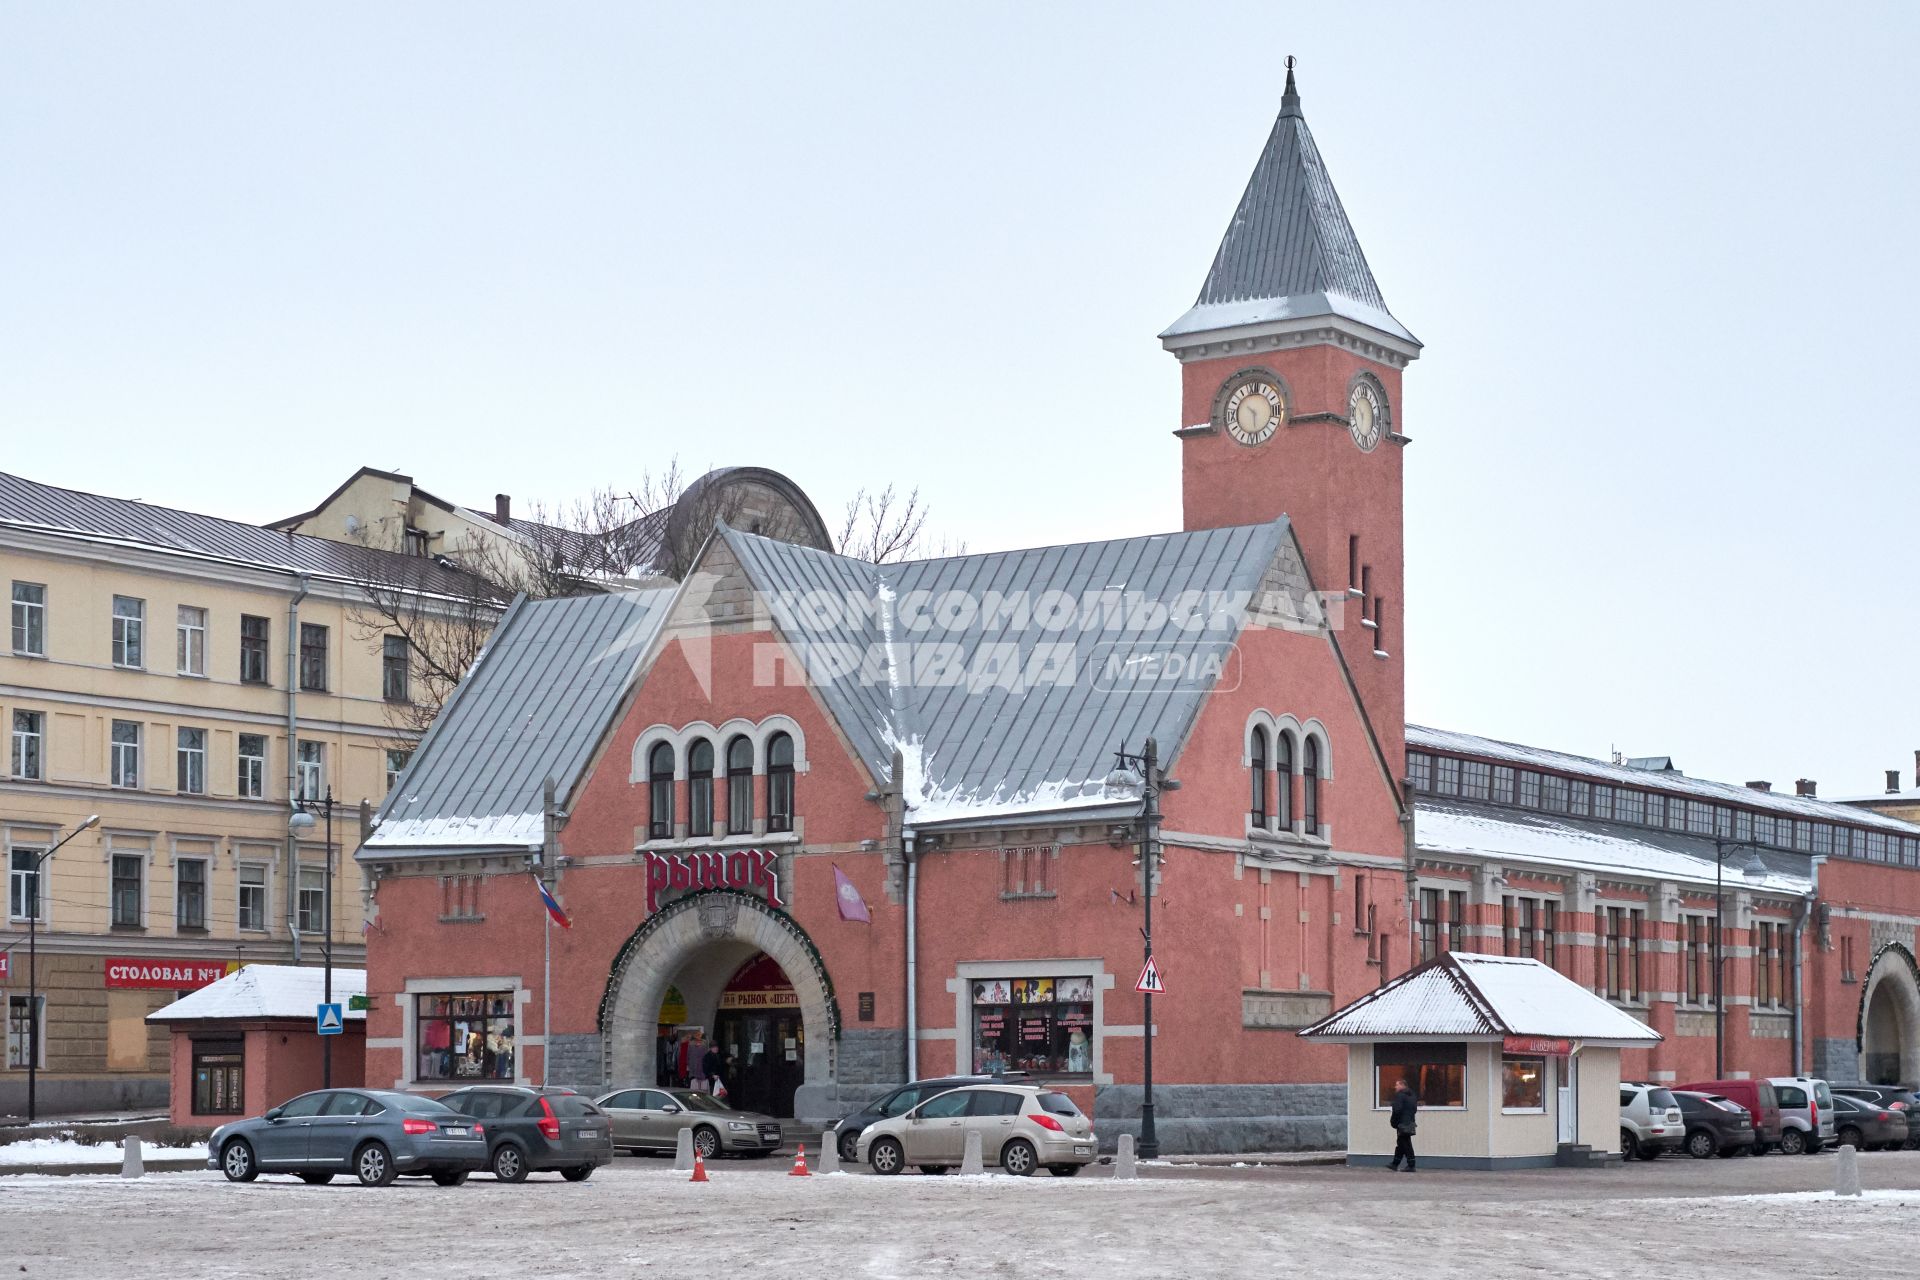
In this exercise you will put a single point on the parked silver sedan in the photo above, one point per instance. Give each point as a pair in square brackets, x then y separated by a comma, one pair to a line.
[376, 1134]
[650, 1120]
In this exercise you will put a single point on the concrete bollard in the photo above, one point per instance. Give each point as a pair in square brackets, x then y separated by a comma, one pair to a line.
[1846, 1172]
[970, 1162]
[683, 1152]
[1123, 1166]
[829, 1153]
[130, 1162]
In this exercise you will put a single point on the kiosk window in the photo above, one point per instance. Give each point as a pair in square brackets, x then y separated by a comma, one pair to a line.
[465, 1036]
[1523, 1083]
[1436, 1072]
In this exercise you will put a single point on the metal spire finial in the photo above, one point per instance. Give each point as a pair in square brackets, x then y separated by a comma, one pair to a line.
[1290, 100]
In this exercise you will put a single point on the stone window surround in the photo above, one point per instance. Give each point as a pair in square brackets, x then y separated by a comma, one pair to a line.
[720, 735]
[1299, 732]
[961, 986]
[30, 836]
[409, 1035]
[243, 857]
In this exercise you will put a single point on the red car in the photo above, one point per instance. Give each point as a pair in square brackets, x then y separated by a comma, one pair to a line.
[1758, 1098]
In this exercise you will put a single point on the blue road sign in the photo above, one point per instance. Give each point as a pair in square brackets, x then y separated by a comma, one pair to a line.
[329, 1020]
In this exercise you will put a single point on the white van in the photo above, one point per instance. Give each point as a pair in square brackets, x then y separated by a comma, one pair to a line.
[1806, 1113]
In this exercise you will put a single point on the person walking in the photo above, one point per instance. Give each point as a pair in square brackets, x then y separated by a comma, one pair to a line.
[1405, 1108]
[710, 1068]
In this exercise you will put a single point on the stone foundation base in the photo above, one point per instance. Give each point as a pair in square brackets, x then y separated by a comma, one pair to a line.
[1211, 1119]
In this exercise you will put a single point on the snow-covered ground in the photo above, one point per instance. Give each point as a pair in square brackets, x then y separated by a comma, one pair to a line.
[639, 1218]
[67, 1151]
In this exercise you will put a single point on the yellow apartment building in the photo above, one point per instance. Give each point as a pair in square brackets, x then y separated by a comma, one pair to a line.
[182, 676]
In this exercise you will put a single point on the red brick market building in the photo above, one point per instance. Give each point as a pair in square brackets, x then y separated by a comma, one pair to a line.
[825, 810]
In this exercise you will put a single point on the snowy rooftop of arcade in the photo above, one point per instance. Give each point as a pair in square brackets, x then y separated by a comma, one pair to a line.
[267, 991]
[1466, 995]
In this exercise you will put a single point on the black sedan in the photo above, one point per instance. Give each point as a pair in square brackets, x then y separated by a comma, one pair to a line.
[534, 1130]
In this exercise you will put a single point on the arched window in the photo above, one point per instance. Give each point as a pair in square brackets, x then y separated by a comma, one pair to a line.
[1283, 775]
[700, 788]
[1259, 770]
[660, 792]
[780, 782]
[740, 786]
[1310, 786]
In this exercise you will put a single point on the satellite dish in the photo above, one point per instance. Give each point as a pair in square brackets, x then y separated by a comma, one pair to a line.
[353, 524]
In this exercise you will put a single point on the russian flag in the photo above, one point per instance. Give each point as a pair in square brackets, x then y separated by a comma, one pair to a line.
[552, 904]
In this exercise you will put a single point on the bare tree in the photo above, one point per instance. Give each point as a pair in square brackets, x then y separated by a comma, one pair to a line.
[884, 527]
[444, 614]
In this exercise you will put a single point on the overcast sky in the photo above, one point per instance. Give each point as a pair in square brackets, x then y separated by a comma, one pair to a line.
[1661, 490]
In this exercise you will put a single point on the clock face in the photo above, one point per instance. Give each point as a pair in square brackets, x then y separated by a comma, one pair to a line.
[1366, 414]
[1253, 410]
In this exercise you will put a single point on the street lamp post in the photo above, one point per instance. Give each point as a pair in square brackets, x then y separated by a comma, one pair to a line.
[1144, 769]
[302, 820]
[33, 969]
[1754, 872]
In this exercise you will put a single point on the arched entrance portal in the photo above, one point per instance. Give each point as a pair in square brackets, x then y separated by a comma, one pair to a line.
[1890, 1018]
[703, 948]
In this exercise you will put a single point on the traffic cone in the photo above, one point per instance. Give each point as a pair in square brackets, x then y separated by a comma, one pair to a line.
[699, 1169]
[799, 1169]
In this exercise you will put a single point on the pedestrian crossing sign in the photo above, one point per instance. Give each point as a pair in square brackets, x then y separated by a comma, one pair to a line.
[1150, 979]
[328, 1020]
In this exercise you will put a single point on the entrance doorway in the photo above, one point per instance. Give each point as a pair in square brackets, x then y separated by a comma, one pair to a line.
[1890, 1020]
[761, 1038]
[725, 963]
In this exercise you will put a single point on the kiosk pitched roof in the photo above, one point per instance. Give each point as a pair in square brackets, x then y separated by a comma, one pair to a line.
[1465, 995]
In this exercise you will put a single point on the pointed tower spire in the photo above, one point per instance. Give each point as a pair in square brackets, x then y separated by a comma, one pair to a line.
[1289, 259]
[1290, 99]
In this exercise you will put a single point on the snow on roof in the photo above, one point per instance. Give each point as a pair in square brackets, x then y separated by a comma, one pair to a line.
[1522, 835]
[1422, 738]
[1466, 995]
[267, 991]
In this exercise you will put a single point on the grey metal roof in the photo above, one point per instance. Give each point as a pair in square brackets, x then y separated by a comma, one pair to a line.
[1445, 826]
[1289, 252]
[1469, 995]
[980, 743]
[533, 707]
[1424, 738]
[30, 504]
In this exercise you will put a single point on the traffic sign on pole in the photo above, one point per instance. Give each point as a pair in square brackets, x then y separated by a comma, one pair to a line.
[328, 1021]
[1150, 980]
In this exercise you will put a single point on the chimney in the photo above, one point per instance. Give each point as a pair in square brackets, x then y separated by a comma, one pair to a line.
[1759, 786]
[1806, 787]
[1893, 782]
[502, 508]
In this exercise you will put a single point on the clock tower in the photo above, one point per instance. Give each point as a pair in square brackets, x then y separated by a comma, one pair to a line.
[1290, 402]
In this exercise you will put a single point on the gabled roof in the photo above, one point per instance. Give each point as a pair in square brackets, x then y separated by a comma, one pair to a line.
[29, 504]
[974, 747]
[267, 991]
[1289, 253]
[533, 707]
[1464, 995]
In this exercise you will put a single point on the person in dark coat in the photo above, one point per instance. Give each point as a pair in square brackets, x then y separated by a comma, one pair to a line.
[710, 1066]
[1405, 1108]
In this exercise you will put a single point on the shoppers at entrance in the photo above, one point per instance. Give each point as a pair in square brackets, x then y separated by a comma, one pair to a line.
[710, 1067]
[696, 1059]
[1405, 1108]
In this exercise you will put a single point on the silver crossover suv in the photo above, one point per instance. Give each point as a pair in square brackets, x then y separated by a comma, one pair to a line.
[1021, 1128]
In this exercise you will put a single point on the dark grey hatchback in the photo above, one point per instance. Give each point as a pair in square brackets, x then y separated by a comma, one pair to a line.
[532, 1130]
[376, 1134]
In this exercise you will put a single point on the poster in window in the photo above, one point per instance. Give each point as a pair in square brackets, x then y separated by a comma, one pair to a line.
[993, 991]
[1074, 990]
[1033, 990]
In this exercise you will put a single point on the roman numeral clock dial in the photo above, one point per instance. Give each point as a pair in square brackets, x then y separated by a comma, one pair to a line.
[1251, 408]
